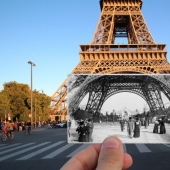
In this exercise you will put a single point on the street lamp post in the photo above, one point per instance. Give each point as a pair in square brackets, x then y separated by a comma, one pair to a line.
[32, 64]
[35, 114]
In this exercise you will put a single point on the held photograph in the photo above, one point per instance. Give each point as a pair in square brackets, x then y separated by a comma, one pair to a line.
[133, 107]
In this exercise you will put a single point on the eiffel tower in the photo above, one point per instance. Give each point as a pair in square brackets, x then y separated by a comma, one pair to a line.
[119, 18]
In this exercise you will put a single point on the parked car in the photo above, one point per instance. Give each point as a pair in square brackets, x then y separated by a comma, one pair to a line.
[52, 125]
[62, 125]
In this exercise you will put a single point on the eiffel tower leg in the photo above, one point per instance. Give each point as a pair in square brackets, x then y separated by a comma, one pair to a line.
[102, 100]
[166, 91]
[152, 94]
[140, 34]
[93, 101]
[59, 103]
[97, 97]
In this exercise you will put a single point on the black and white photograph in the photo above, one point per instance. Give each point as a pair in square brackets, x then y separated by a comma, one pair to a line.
[133, 107]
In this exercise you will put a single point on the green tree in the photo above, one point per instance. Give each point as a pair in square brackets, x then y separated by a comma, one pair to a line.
[18, 95]
[41, 106]
[4, 106]
[15, 98]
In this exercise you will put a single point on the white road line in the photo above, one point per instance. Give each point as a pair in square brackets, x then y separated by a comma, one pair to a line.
[15, 148]
[40, 151]
[168, 145]
[124, 146]
[143, 148]
[80, 148]
[57, 152]
[22, 151]
[2, 145]
[8, 146]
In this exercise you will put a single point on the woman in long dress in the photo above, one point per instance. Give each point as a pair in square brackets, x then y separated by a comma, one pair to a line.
[137, 128]
[130, 127]
[155, 129]
[82, 130]
[86, 125]
[162, 127]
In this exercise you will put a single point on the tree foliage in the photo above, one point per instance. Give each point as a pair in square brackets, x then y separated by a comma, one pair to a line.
[16, 100]
[4, 105]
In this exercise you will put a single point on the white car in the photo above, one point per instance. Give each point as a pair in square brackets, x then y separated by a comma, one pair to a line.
[63, 124]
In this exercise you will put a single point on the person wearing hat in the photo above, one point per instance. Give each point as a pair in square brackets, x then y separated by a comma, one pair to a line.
[137, 128]
[162, 126]
[156, 125]
[86, 124]
[81, 132]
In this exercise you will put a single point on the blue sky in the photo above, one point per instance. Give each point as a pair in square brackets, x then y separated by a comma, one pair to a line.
[49, 32]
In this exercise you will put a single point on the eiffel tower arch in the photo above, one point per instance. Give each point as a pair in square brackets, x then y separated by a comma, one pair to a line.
[100, 88]
[119, 18]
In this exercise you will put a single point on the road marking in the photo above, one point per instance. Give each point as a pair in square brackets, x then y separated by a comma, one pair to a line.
[124, 146]
[40, 151]
[22, 151]
[2, 145]
[143, 148]
[80, 148]
[9, 146]
[57, 152]
[12, 149]
[168, 145]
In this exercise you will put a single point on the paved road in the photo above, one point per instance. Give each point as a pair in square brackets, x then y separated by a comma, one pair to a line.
[48, 149]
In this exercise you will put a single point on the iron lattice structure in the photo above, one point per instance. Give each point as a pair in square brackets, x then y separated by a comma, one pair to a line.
[119, 18]
[100, 87]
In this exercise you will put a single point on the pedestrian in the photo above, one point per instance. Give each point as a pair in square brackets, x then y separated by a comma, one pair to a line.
[81, 132]
[9, 128]
[156, 125]
[162, 126]
[137, 128]
[130, 126]
[91, 126]
[122, 124]
[4, 127]
[15, 126]
[69, 124]
[146, 123]
[0, 125]
[86, 125]
[142, 122]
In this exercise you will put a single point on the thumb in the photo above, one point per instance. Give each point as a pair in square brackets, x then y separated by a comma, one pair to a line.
[111, 155]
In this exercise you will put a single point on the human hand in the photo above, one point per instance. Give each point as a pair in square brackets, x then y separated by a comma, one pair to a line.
[106, 156]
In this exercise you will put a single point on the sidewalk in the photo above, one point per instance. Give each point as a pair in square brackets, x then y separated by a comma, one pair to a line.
[103, 130]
